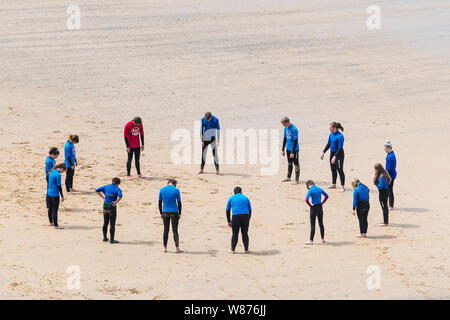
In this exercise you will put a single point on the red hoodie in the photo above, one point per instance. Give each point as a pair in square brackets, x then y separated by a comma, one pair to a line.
[132, 133]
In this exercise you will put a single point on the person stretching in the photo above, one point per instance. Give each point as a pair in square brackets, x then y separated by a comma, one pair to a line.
[111, 194]
[316, 209]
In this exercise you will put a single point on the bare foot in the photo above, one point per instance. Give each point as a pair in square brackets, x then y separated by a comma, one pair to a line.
[247, 252]
[200, 172]
[219, 173]
[286, 180]
[179, 250]
[323, 241]
[295, 182]
[165, 250]
[342, 189]
[360, 235]
[383, 225]
[59, 228]
[140, 176]
[333, 186]
[309, 242]
[391, 208]
[233, 252]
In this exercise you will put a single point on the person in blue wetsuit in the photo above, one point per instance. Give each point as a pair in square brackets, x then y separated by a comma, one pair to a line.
[291, 144]
[316, 209]
[241, 210]
[54, 191]
[382, 181]
[361, 205]
[70, 160]
[169, 205]
[50, 163]
[336, 145]
[210, 135]
[391, 168]
[111, 194]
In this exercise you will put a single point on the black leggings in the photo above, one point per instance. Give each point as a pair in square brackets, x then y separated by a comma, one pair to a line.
[337, 167]
[167, 218]
[47, 198]
[291, 163]
[53, 206]
[391, 193]
[362, 210]
[137, 155]
[242, 222]
[383, 195]
[316, 211]
[205, 150]
[69, 178]
[109, 217]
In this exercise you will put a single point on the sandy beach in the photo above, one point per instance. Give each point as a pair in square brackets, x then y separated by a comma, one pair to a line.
[249, 64]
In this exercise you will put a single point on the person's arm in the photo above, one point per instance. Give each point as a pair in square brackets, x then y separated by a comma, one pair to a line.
[68, 152]
[307, 202]
[60, 188]
[160, 204]
[340, 145]
[250, 214]
[218, 131]
[328, 145]
[127, 143]
[202, 127]
[100, 191]
[325, 197]
[295, 138]
[284, 144]
[179, 202]
[229, 211]
[141, 131]
[119, 197]
[142, 140]
[355, 199]
[249, 210]
[126, 136]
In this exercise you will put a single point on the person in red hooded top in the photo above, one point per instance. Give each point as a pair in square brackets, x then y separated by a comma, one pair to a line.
[132, 131]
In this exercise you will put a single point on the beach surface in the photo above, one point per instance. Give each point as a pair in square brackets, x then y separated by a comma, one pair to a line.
[249, 64]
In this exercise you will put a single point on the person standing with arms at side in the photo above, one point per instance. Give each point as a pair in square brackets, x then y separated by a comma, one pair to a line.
[70, 160]
[382, 181]
[391, 168]
[131, 132]
[111, 194]
[336, 145]
[54, 190]
[210, 135]
[316, 209]
[50, 163]
[241, 209]
[169, 205]
[361, 206]
[291, 143]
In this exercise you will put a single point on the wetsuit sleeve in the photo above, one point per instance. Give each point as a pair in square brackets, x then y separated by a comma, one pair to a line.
[126, 142]
[228, 216]
[326, 197]
[250, 214]
[218, 130]
[142, 139]
[340, 145]
[202, 126]
[101, 189]
[308, 195]
[60, 191]
[284, 144]
[68, 153]
[160, 203]
[355, 198]
[328, 145]
[249, 206]
[229, 204]
[119, 193]
[295, 138]
[179, 208]
[179, 202]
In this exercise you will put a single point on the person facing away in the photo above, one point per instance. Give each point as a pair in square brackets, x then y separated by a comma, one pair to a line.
[316, 209]
[50, 163]
[111, 194]
[241, 209]
[382, 181]
[70, 160]
[361, 206]
[132, 131]
[291, 143]
[391, 168]
[210, 135]
[169, 205]
[54, 191]
[336, 145]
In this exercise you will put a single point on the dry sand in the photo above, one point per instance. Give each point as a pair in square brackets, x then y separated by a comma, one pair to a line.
[251, 64]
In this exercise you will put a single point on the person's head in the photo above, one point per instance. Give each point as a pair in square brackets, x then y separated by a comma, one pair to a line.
[335, 126]
[137, 121]
[285, 122]
[61, 167]
[379, 170]
[74, 138]
[208, 116]
[116, 181]
[53, 153]
[355, 183]
[388, 147]
[309, 184]
[172, 182]
[237, 190]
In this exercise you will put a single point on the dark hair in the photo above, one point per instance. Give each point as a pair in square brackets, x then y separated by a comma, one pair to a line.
[54, 151]
[74, 138]
[380, 171]
[137, 120]
[59, 166]
[310, 183]
[116, 181]
[237, 190]
[208, 115]
[172, 181]
[337, 125]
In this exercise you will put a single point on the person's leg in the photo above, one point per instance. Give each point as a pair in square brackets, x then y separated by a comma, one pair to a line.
[215, 155]
[137, 159]
[175, 218]
[312, 218]
[391, 194]
[320, 220]
[340, 169]
[384, 200]
[130, 159]
[112, 224]
[105, 223]
[297, 167]
[235, 225]
[204, 152]
[333, 169]
[244, 230]
[290, 164]
[166, 222]
[55, 207]
[69, 173]
[360, 214]
[365, 216]
[50, 209]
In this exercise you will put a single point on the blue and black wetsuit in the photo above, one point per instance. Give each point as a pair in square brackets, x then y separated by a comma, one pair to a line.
[391, 168]
[241, 209]
[383, 190]
[362, 206]
[170, 209]
[111, 192]
[336, 145]
[70, 160]
[291, 143]
[210, 134]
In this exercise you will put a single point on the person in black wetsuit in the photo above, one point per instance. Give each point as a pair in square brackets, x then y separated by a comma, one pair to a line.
[169, 205]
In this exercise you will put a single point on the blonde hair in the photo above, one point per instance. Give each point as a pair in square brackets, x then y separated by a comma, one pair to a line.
[285, 120]
[355, 183]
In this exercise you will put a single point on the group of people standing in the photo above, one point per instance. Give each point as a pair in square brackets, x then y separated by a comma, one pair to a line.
[238, 208]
